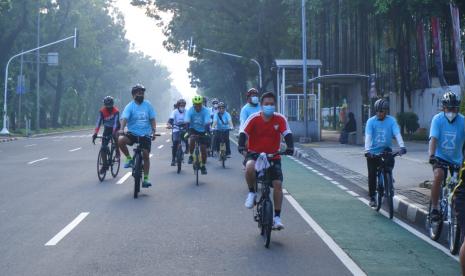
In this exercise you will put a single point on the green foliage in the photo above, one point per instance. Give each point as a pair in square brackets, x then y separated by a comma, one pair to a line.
[409, 121]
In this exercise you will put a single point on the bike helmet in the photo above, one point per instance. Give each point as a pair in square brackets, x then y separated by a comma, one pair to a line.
[381, 105]
[108, 101]
[252, 91]
[181, 102]
[215, 101]
[450, 100]
[221, 104]
[137, 87]
[197, 99]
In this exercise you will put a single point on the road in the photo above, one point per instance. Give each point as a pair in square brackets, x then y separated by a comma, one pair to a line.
[58, 219]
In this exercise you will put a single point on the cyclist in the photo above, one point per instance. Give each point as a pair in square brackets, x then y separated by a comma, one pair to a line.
[198, 120]
[379, 132]
[222, 124]
[108, 116]
[214, 107]
[252, 106]
[263, 130]
[176, 122]
[139, 116]
[447, 137]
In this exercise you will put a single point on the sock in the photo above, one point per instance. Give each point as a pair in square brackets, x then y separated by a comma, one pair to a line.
[128, 158]
[146, 177]
[277, 213]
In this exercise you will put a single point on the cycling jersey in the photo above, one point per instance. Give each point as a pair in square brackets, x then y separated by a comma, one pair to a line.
[139, 116]
[246, 111]
[176, 119]
[109, 119]
[224, 123]
[379, 134]
[265, 136]
[198, 120]
[450, 136]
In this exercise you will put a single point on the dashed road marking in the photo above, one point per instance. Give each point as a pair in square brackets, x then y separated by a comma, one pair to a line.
[122, 179]
[31, 145]
[76, 149]
[160, 146]
[65, 231]
[38, 160]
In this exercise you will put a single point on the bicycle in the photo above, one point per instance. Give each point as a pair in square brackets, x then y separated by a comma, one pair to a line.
[138, 168]
[222, 148]
[385, 182]
[197, 158]
[111, 162]
[179, 151]
[263, 212]
[446, 209]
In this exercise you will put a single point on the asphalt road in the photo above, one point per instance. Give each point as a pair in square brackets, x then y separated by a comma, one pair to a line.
[173, 228]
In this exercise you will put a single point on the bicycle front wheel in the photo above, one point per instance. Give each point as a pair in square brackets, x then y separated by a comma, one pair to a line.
[379, 192]
[389, 191]
[454, 232]
[100, 172]
[115, 163]
[179, 157]
[137, 173]
[267, 222]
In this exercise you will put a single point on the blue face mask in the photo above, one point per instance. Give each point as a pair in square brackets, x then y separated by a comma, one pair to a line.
[268, 110]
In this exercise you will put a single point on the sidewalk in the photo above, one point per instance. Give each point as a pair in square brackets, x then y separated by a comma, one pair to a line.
[410, 172]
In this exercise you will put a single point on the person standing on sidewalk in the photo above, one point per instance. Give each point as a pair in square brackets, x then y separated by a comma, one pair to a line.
[379, 132]
[447, 137]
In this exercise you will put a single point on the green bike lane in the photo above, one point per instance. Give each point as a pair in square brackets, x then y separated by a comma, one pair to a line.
[378, 245]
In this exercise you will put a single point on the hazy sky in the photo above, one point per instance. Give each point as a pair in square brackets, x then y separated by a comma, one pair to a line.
[147, 37]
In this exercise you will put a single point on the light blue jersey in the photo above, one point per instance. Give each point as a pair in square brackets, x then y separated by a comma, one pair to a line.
[223, 123]
[379, 134]
[198, 120]
[248, 110]
[139, 116]
[450, 137]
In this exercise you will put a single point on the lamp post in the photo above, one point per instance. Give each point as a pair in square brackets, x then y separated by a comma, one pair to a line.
[304, 67]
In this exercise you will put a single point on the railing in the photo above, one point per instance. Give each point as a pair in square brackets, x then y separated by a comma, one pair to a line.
[294, 107]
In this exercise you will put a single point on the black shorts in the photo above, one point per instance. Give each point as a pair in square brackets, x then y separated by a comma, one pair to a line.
[107, 136]
[274, 171]
[145, 142]
[203, 138]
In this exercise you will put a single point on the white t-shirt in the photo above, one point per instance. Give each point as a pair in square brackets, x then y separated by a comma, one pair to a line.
[178, 118]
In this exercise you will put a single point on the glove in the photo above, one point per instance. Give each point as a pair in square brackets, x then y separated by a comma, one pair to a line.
[403, 150]
[94, 137]
[241, 149]
[289, 151]
[432, 159]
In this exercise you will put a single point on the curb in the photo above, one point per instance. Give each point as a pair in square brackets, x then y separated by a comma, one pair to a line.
[58, 132]
[405, 209]
[3, 140]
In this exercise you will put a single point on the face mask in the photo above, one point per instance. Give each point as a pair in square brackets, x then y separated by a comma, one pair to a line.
[139, 99]
[451, 116]
[268, 110]
[215, 106]
[254, 100]
[181, 109]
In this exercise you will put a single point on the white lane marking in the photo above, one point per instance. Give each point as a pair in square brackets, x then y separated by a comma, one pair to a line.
[38, 160]
[335, 182]
[168, 140]
[160, 146]
[65, 231]
[150, 156]
[333, 246]
[342, 187]
[56, 140]
[327, 177]
[122, 179]
[163, 133]
[76, 149]
[353, 193]
[31, 145]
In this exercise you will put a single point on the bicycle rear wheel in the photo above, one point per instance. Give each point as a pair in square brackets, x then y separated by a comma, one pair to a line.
[434, 229]
[454, 232]
[137, 174]
[179, 157]
[100, 164]
[267, 223]
[389, 191]
[115, 163]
